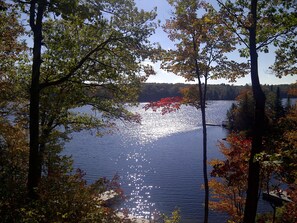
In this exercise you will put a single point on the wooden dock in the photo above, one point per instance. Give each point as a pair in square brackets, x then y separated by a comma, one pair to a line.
[277, 197]
[211, 124]
[223, 124]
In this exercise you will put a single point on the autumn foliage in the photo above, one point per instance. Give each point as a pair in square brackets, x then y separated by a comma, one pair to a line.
[229, 187]
[167, 105]
[190, 96]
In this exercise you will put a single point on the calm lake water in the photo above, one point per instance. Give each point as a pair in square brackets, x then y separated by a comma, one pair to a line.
[159, 162]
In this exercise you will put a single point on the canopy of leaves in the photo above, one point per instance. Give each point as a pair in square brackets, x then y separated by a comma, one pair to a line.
[10, 32]
[201, 42]
[91, 56]
[276, 30]
[11, 53]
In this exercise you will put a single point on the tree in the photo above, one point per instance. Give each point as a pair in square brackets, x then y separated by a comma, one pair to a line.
[201, 42]
[80, 47]
[13, 166]
[240, 115]
[13, 136]
[278, 107]
[11, 53]
[280, 159]
[229, 191]
[257, 26]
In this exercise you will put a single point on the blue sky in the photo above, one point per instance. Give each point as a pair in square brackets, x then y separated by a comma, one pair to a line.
[164, 12]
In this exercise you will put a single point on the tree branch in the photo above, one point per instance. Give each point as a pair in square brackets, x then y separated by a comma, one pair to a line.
[32, 14]
[230, 27]
[271, 39]
[77, 67]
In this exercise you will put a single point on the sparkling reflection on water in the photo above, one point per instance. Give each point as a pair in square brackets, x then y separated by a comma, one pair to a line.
[159, 161]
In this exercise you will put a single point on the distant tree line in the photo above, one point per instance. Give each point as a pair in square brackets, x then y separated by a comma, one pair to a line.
[156, 91]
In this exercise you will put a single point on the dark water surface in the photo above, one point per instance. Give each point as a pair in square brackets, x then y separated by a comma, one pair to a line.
[159, 161]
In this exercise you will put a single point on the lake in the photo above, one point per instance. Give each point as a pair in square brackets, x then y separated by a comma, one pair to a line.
[159, 161]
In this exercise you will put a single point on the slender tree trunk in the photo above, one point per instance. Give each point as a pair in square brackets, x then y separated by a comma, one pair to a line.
[34, 174]
[202, 94]
[202, 98]
[205, 173]
[258, 126]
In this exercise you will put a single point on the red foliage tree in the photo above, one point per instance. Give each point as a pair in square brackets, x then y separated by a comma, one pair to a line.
[167, 105]
[229, 189]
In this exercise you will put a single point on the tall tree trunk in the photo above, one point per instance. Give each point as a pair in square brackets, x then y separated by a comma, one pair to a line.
[34, 174]
[202, 98]
[258, 126]
[205, 173]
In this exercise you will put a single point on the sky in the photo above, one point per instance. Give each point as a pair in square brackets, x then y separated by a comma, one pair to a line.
[164, 12]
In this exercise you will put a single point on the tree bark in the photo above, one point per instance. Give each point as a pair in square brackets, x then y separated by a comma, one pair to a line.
[34, 174]
[205, 173]
[258, 125]
[202, 98]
